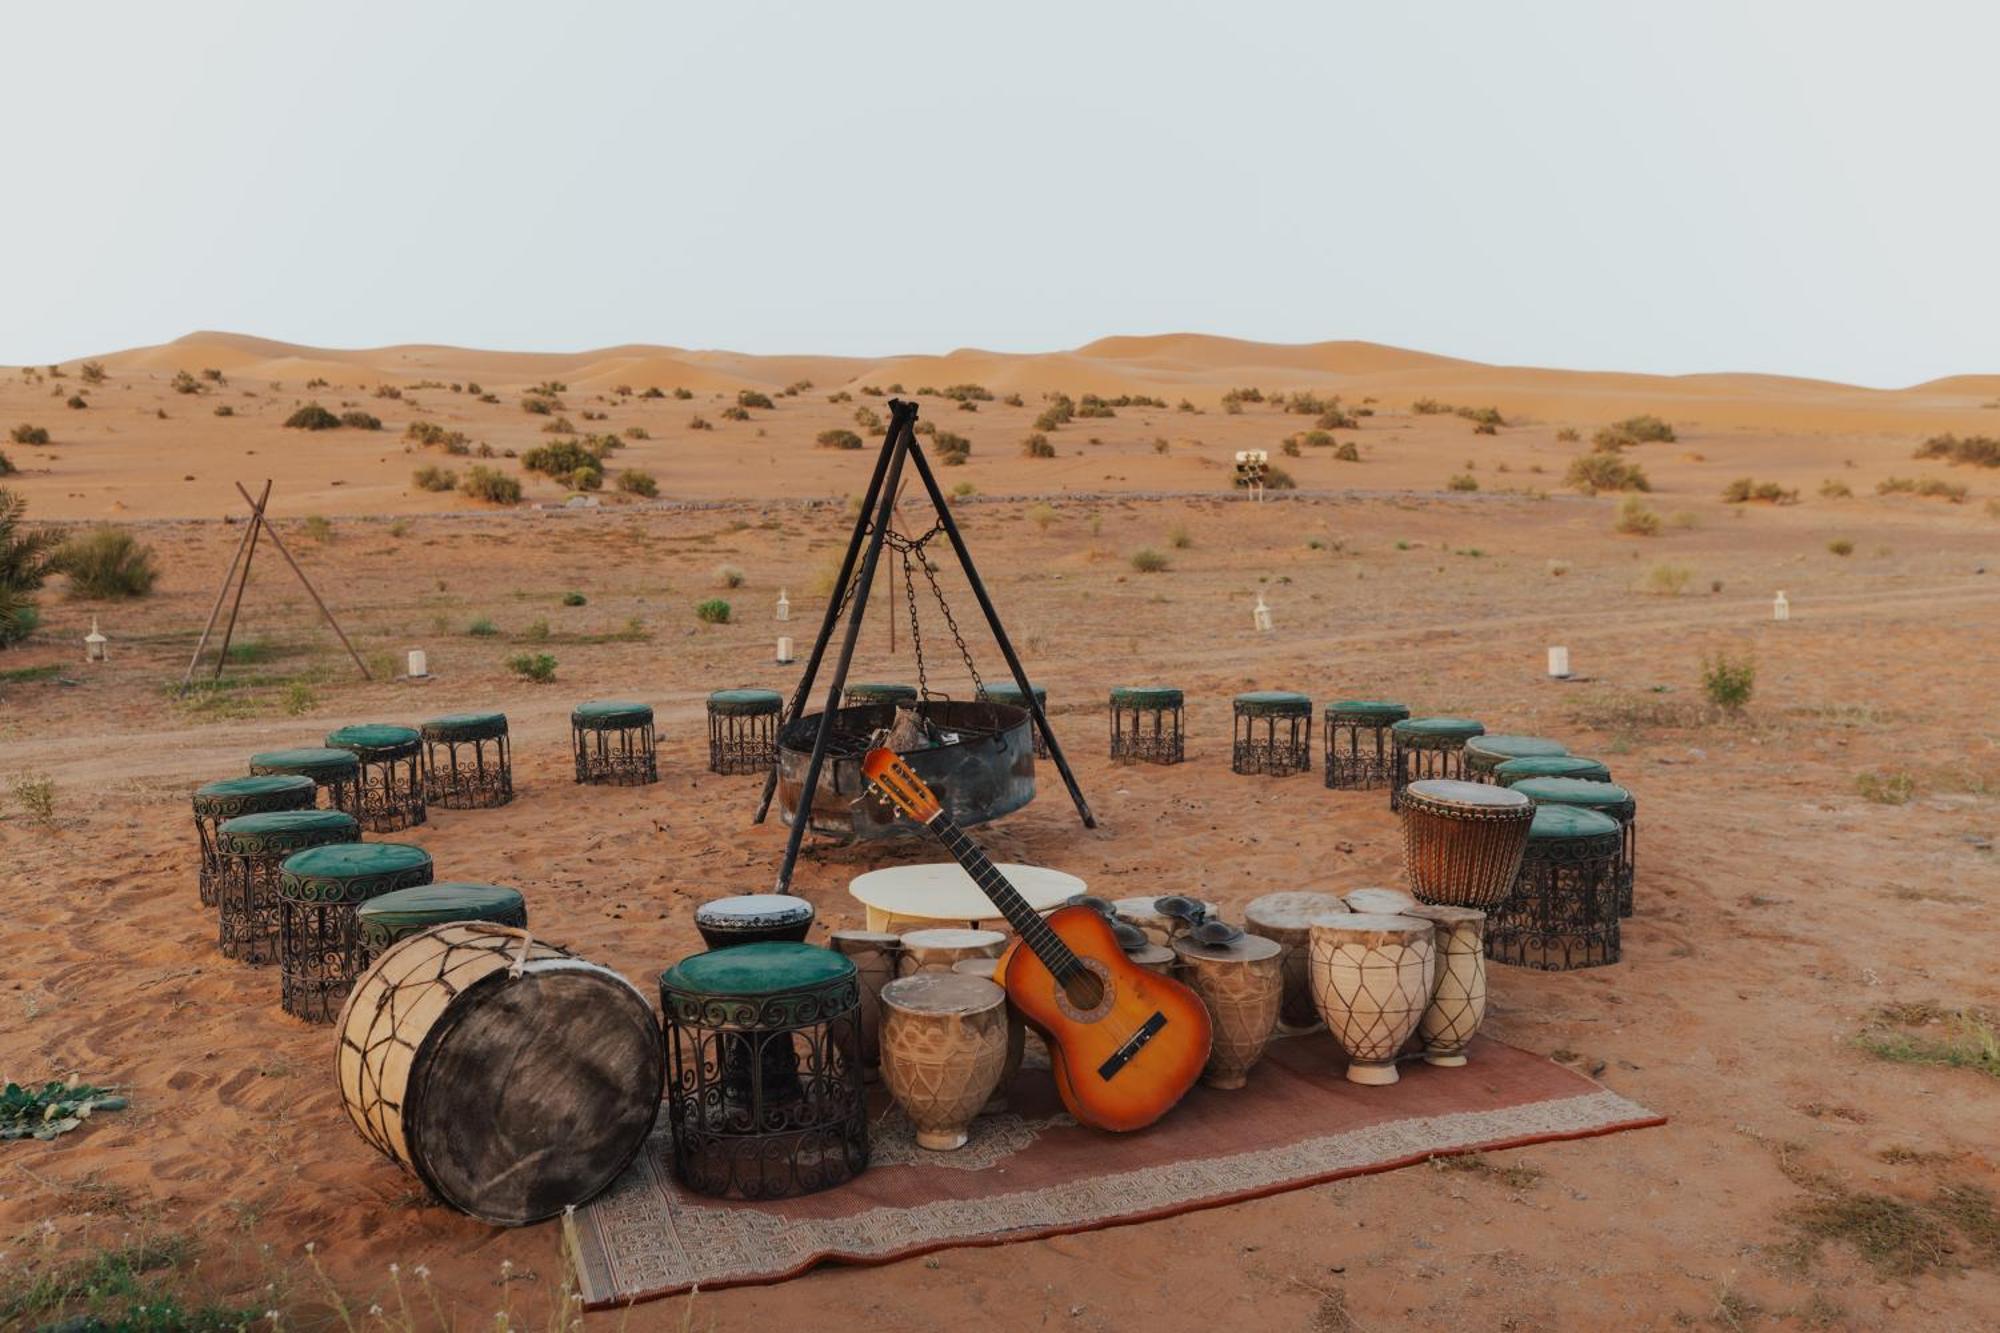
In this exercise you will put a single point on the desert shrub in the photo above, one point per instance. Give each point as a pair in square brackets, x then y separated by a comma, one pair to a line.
[1290, 448]
[751, 398]
[1891, 788]
[1975, 450]
[1833, 488]
[559, 426]
[185, 383]
[537, 406]
[734, 413]
[1179, 538]
[92, 372]
[637, 433]
[712, 611]
[867, 418]
[27, 434]
[1336, 418]
[1037, 446]
[224, 410]
[1592, 473]
[312, 417]
[482, 628]
[1277, 479]
[1934, 488]
[1840, 546]
[1485, 428]
[1745, 489]
[435, 479]
[585, 479]
[699, 422]
[728, 576]
[318, 527]
[1567, 435]
[538, 667]
[1041, 514]
[634, 482]
[1644, 429]
[837, 439]
[361, 420]
[1668, 580]
[952, 449]
[653, 391]
[387, 391]
[575, 599]
[1235, 398]
[562, 460]
[1635, 520]
[1346, 452]
[106, 562]
[1728, 681]
[1429, 407]
[491, 485]
[76, 402]
[1149, 561]
[1463, 481]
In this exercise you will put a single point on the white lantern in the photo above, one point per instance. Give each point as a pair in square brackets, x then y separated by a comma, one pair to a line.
[784, 606]
[1261, 614]
[1780, 608]
[420, 666]
[1559, 663]
[784, 649]
[93, 643]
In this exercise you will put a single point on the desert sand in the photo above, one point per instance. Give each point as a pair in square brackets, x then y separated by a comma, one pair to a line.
[1812, 870]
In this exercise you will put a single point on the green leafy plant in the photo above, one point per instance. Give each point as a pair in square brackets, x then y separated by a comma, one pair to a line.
[312, 417]
[538, 667]
[490, 485]
[1728, 681]
[1605, 472]
[52, 1109]
[712, 611]
[106, 562]
[1635, 520]
[574, 599]
[482, 628]
[634, 482]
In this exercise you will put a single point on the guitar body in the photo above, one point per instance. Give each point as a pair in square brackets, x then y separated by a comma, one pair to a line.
[1126, 1060]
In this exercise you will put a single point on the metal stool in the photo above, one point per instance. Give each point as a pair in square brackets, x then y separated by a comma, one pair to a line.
[478, 778]
[215, 802]
[613, 743]
[401, 913]
[320, 949]
[731, 1014]
[1357, 742]
[874, 692]
[1483, 754]
[1007, 692]
[1427, 747]
[1511, 771]
[337, 773]
[743, 730]
[1147, 722]
[1606, 797]
[1564, 912]
[392, 773]
[249, 851]
[1286, 720]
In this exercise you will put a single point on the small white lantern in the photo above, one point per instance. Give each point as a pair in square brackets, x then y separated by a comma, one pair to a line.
[1261, 614]
[1559, 663]
[784, 649]
[1780, 608]
[93, 643]
[420, 666]
[784, 606]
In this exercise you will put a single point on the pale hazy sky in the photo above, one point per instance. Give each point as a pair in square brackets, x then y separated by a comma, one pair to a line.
[1807, 188]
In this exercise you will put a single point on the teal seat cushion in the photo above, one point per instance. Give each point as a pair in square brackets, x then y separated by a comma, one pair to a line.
[1380, 709]
[766, 968]
[231, 798]
[465, 727]
[1572, 791]
[601, 714]
[1558, 822]
[1145, 696]
[745, 703]
[1500, 748]
[1510, 771]
[367, 738]
[357, 860]
[285, 831]
[406, 911]
[1282, 703]
[322, 762]
[1440, 728]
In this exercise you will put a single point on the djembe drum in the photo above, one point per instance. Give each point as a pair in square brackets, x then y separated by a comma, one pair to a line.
[1287, 918]
[1154, 958]
[944, 1043]
[217, 802]
[1382, 902]
[514, 1079]
[1242, 984]
[937, 950]
[1462, 841]
[1372, 978]
[752, 918]
[1017, 1033]
[1458, 1004]
[873, 953]
[1483, 754]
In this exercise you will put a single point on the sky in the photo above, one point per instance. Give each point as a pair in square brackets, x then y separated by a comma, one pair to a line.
[1798, 188]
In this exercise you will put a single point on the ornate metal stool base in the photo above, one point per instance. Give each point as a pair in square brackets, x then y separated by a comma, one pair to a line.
[1357, 742]
[231, 798]
[613, 743]
[743, 731]
[468, 761]
[1564, 912]
[1148, 724]
[1427, 747]
[1273, 733]
[1606, 797]
[392, 773]
[337, 773]
[320, 948]
[250, 851]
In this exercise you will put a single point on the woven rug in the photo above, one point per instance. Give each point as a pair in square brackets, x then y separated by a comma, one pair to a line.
[1033, 1171]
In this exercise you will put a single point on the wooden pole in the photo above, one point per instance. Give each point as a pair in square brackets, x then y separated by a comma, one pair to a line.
[242, 584]
[313, 593]
[221, 593]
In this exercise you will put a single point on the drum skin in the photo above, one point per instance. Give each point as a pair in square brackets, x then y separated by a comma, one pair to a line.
[511, 1078]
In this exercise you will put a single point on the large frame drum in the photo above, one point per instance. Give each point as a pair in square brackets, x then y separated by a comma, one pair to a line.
[1462, 841]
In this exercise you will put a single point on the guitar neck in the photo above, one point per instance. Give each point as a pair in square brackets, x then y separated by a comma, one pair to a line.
[1026, 921]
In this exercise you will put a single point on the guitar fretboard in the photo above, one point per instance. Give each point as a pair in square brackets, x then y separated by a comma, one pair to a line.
[1027, 922]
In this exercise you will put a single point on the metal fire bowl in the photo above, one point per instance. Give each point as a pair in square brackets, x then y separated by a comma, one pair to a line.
[987, 773]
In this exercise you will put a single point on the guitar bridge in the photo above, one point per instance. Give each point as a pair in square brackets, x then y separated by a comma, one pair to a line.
[1133, 1045]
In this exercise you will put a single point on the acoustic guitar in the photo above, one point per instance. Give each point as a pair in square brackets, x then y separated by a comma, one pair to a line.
[1125, 1043]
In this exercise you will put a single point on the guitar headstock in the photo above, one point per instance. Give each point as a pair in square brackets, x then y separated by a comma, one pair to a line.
[900, 784]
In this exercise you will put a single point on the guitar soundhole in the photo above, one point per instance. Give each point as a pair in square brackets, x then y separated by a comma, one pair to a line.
[1086, 996]
[1085, 990]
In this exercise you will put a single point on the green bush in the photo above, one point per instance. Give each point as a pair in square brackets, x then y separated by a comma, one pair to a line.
[77, 402]
[634, 482]
[574, 599]
[1149, 561]
[482, 628]
[224, 410]
[838, 439]
[1833, 488]
[752, 398]
[1929, 487]
[1728, 682]
[562, 460]
[25, 556]
[1462, 481]
[1744, 489]
[952, 449]
[713, 611]
[537, 406]
[1592, 473]
[1975, 450]
[312, 417]
[106, 562]
[27, 434]
[734, 412]
[699, 422]
[490, 485]
[7, 465]
[361, 420]
[1277, 479]
[538, 667]
[435, 479]
[1841, 546]
[728, 576]
[1347, 453]
[1643, 429]
[1635, 520]
[1037, 446]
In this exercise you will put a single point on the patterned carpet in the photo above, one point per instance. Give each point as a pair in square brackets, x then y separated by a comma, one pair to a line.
[1034, 1172]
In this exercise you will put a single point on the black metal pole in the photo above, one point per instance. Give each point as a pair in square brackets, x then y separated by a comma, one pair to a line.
[901, 446]
[1000, 636]
[832, 616]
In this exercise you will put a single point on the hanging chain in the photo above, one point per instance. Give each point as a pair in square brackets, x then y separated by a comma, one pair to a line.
[957, 635]
[911, 550]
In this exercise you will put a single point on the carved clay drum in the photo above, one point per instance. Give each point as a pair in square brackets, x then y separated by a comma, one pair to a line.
[1458, 1002]
[1382, 902]
[512, 1078]
[1154, 958]
[752, 918]
[873, 953]
[1287, 918]
[944, 1043]
[1372, 978]
[1017, 1033]
[937, 950]
[1242, 984]
[1159, 927]
[1462, 841]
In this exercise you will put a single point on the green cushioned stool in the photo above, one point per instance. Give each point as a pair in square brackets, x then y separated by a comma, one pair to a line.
[876, 692]
[468, 761]
[764, 1070]
[1007, 692]
[1605, 796]
[1272, 733]
[1427, 747]
[249, 851]
[1563, 914]
[337, 773]
[1148, 723]
[215, 802]
[320, 948]
[743, 730]
[400, 913]
[1357, 742]
[1511, 771]
[392, 773]
[613, 743]
[1483, 754]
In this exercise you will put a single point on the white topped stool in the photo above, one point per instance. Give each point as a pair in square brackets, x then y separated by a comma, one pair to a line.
[902, 898]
